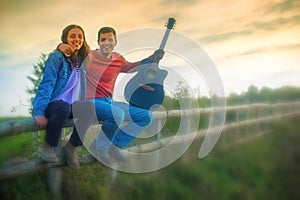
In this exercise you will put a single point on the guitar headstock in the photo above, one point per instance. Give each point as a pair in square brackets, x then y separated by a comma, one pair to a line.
[171, 23]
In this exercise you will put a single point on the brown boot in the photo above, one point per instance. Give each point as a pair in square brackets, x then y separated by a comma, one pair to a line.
[70, 153]
[48, 153]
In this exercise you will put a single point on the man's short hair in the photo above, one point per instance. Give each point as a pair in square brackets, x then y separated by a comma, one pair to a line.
[107, 30]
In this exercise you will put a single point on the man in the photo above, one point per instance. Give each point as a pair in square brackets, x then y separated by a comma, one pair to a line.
[103, 68]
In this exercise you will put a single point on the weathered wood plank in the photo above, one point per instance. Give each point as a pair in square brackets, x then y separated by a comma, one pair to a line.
[38, 164]
[14, 127]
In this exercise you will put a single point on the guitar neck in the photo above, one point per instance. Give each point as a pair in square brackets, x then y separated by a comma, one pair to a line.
[164, 40]
[169, 26]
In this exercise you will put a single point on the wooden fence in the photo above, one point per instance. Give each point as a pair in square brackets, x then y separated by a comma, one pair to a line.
[236, 117]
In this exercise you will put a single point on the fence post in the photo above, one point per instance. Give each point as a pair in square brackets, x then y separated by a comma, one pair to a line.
[237, 119]
[55, 182]
[35, 135]
[55, 174]
[157, 129]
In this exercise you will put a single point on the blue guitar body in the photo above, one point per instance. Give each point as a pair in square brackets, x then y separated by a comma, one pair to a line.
[145, 89]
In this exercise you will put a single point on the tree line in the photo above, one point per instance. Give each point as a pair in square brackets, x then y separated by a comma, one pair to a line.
[252, 95]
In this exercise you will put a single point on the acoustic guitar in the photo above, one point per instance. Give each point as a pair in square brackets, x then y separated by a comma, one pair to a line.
[145, 89]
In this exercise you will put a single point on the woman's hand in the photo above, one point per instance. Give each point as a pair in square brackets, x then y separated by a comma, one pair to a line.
[41, 121]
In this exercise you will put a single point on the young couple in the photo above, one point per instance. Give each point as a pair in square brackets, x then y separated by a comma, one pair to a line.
[79, 80]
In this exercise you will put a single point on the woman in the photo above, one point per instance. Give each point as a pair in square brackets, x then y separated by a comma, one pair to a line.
[59, 93]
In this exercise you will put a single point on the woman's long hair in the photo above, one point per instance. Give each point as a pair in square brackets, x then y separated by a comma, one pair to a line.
[83, 51]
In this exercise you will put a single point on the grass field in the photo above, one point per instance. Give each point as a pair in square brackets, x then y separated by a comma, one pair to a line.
[267, 167]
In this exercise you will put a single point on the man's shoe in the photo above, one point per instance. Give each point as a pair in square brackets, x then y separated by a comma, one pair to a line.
[70, 153]
[105, 151]
[48, 153]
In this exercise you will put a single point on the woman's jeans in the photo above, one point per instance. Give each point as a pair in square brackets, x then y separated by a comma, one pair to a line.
[113, 114]
[58, 111]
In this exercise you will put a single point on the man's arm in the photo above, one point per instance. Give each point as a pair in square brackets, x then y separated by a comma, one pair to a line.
[66, 49]
[157, 55]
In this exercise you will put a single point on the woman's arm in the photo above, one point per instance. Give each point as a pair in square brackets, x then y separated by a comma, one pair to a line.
[47, 85]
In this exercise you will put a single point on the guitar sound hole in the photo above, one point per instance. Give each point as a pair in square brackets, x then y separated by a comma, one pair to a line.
[151, 73]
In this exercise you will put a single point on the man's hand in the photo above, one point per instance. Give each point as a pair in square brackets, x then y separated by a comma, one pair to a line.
[147, 87]
[157, 55]
[41, 121]
[66, 49]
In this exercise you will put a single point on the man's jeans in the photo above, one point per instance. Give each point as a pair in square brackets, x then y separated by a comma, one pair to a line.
[113, 114]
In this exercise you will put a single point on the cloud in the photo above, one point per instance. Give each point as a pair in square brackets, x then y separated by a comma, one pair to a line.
[224, 36]
[283, 6]
[275, 48]
[275, 24]
[254, 28]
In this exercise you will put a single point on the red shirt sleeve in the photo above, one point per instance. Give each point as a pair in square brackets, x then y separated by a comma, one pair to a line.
[128, 67]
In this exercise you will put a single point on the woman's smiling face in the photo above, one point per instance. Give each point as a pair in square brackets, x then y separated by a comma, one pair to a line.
[75, 38]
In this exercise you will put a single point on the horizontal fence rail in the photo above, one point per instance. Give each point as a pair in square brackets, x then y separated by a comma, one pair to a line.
[14, 127]
[291, 109]
[262, 113]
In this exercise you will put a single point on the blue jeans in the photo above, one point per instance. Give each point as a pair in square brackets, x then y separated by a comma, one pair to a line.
[58, 111]
[113, 114]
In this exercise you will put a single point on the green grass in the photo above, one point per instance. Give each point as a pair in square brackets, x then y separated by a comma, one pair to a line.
[16, 146]
[263, 168]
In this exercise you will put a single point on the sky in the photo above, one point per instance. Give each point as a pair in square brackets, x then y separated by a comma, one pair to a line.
[251, 42]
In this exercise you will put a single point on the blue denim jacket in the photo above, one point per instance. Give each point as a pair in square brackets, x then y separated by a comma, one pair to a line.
[57, 71]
